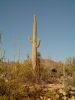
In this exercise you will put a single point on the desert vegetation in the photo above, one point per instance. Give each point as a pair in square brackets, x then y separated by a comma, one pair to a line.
[18, 81]
[36, 78]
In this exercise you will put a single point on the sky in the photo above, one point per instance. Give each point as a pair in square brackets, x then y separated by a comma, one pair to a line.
[55, 27]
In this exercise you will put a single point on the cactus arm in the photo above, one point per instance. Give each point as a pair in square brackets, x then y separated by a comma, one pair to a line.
[38, 43]
[30, 39]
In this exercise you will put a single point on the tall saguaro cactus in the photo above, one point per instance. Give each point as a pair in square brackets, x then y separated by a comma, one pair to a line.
[35, 44]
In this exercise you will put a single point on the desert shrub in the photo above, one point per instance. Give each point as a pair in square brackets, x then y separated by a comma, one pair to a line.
[1, 69]
[2, 87]
[70, 63]
[16, 90]
[13, 83]
[26, 73]
[4, 97]
[51, 95]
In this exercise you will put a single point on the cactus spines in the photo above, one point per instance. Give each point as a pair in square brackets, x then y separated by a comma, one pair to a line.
[35, 44]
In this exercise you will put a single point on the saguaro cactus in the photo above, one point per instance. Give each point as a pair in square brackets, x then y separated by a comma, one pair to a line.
[35, 44]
